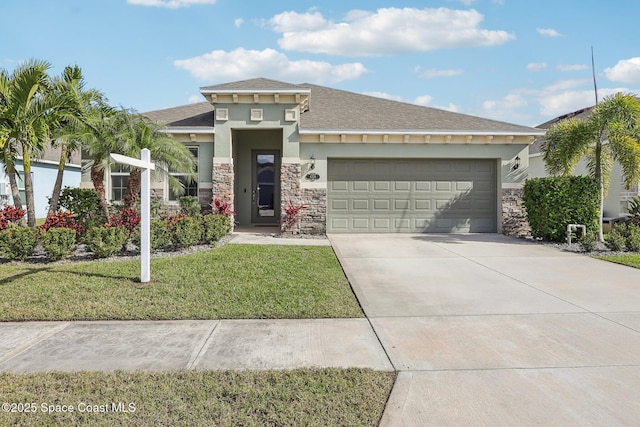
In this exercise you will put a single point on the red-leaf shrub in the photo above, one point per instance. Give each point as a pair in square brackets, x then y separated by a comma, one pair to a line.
[62, 220]
[10, 214]
[222, 208]
[127, 218]
[291, 215]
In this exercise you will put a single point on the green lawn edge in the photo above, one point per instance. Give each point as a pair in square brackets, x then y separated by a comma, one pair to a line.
[630, 260]
[229, 282]
[310, 397]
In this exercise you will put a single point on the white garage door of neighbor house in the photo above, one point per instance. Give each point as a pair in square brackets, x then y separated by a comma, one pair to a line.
[412, 195]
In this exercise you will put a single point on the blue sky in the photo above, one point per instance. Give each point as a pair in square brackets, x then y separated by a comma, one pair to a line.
[514, 60]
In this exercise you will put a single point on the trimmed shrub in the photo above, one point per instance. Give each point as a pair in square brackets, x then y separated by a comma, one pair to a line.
[106, 241]
[616, 239]
[58, 242]
[18, 243]
[554, 202]
[160, 235]
[85, 204]
[185, 231]
[214, 227]
[189, 205]
[588, 242]
[632, 241]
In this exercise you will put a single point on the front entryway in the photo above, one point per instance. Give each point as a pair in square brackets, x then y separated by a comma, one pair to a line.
[265, 196]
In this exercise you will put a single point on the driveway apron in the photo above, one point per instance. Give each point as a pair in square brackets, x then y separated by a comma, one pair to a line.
[490, 330]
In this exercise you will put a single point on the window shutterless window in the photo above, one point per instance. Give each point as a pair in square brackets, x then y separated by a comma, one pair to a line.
[119, 181]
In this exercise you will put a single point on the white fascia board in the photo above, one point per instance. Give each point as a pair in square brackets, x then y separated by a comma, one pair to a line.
[252, 91]
[416, 132]
[208, 131]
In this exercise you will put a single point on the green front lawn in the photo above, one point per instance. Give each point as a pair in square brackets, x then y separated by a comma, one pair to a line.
[233, 281]
[322, 397]
[632, 260]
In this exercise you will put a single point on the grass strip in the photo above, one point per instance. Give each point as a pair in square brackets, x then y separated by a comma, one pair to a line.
[310, 397]
[631, 260]
[231, 282]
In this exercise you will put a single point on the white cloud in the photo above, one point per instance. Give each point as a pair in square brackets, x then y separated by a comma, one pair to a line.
[625, 71]
[386, 31]
[238, 64]
[536, 66]
[385, 95]
[171, 4]
[194, 99]
[238, 22]
[573, 67]
[451, 107]
[548, 32]
[423, 100]
[293, 21]
[433, 73]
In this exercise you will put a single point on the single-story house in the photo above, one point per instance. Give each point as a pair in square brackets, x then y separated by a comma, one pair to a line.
[44, 172]
[360, 164]
[617, 198]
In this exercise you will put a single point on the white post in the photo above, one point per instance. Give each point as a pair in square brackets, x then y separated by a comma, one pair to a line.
[145, 220]
[145, 164]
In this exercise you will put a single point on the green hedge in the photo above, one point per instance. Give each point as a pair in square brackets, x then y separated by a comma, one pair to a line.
[58, 242]
[106, 241]
[554, 202]
[18, 243]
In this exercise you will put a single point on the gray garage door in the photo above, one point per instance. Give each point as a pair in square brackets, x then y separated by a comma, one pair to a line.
[426, 195]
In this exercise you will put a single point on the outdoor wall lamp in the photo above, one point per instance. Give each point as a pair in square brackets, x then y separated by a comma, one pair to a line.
[516, 163]
[312, 164]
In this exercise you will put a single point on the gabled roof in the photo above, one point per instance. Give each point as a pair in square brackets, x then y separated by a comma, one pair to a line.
[582, 114]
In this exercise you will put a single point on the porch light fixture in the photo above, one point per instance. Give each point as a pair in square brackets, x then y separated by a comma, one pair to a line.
[516, 163]
[312, 164]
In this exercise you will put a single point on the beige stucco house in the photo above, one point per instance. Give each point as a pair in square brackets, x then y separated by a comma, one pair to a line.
[360, 164]
[617, 198]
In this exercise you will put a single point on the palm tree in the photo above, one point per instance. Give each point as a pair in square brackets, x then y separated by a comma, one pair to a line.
[75, 120]
[167, 153]
[25, 117]
[612, 132]
[99, 142]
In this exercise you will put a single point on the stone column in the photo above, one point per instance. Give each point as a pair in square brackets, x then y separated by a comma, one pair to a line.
[290, 176]
[222, 180]
[514, 214]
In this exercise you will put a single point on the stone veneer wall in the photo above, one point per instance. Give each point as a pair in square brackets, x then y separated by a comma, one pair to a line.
[205, 198]
[514, 218]
[290, 176]
[314, 218]
[222, 179]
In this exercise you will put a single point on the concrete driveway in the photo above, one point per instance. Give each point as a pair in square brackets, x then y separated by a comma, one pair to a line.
[489, 330]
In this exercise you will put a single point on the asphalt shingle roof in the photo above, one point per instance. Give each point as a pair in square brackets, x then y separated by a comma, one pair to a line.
[582, 114]
[192, 115]
[335, 110]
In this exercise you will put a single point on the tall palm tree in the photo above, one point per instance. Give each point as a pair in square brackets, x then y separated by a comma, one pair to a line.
[612, 132]
[100, 141]
[25, 116]
[167, 153]
[75, 120]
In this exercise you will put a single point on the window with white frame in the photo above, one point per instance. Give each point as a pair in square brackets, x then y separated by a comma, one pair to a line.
[190, 186]
[119, 181]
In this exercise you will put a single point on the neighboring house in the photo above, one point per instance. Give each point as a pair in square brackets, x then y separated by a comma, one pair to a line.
[359, 163]
[617, 198]
[44, 172]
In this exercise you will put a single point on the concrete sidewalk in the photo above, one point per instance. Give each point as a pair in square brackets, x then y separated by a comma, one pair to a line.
[189, 344]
